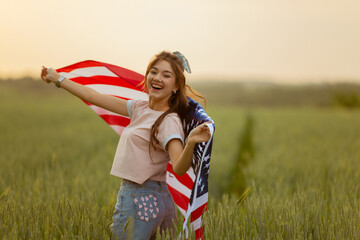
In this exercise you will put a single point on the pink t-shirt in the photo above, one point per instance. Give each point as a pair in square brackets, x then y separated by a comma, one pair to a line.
[132, 159]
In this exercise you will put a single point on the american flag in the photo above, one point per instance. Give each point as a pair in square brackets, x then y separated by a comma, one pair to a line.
[190, 191]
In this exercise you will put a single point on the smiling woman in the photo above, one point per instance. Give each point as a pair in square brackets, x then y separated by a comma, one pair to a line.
[161, 85]
[157, 134]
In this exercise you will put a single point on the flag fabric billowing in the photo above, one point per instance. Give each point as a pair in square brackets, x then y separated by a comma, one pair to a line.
[190, 191]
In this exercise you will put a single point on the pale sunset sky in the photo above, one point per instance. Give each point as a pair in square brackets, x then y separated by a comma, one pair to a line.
[289, 41]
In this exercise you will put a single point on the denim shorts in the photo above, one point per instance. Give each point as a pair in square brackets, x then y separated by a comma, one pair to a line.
[142, 209]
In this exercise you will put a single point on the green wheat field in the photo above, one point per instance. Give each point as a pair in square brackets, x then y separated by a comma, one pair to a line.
[300, 179]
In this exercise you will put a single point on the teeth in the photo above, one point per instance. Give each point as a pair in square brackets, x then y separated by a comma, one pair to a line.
[156, 86]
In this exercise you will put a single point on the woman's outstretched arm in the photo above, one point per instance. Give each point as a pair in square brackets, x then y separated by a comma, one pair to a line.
[180, 156]
[111, 103]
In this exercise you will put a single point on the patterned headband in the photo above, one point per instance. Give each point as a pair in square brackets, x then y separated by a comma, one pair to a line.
[184, 60]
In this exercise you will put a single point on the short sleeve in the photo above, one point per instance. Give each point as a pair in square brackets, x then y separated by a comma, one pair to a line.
[170, 128]
[129, 104]
[134, 106]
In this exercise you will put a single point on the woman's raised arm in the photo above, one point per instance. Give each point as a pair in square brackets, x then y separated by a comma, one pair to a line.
[180, 156]
[111, 103]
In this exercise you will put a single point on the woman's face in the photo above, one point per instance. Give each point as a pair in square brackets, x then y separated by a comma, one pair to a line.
[161, 81]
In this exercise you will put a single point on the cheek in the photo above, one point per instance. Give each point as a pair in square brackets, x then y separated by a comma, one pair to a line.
[147, 81]
[172, 83]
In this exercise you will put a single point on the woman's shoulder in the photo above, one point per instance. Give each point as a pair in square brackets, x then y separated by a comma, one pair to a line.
[136, 106]
[172, 117]
[140, 103]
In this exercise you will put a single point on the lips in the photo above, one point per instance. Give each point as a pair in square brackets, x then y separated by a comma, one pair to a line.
[156, 86]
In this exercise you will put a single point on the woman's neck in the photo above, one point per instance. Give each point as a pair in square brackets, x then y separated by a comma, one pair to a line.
[158, 105]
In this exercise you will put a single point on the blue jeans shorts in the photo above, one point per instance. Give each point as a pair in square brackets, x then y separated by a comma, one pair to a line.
[142, 209]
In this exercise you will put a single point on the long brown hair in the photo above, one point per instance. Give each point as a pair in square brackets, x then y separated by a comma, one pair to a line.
[178, 102]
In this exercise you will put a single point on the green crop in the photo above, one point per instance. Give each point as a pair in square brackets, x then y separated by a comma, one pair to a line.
[302, 181]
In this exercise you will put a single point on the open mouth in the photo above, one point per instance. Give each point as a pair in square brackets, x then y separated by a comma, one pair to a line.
[156, 86]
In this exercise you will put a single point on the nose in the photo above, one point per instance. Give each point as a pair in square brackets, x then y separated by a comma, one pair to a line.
[157, 77]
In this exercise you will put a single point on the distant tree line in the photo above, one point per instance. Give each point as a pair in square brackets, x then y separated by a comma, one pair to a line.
[252, 94]
[345, 95]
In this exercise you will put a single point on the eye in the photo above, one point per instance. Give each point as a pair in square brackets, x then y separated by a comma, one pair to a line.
[153, 72]
[167, 76]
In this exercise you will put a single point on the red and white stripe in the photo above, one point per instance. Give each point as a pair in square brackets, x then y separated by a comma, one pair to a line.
[107, 79]
[123, 83]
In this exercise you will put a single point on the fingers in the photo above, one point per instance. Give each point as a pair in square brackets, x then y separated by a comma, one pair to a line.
[46, 72]
[205, 125]
[202, 133]
[43, 72]
[206, 130]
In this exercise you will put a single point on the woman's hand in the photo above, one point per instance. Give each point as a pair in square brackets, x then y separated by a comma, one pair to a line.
[200, 134]
[49, 75]
[181, 157]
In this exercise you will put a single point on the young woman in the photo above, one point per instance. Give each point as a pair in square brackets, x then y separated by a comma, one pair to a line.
[156, 135]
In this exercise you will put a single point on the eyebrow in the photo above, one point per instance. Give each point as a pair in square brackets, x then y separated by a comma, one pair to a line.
[164, 71]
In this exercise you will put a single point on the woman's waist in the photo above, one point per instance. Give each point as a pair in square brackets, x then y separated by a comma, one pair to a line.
[149, 184]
